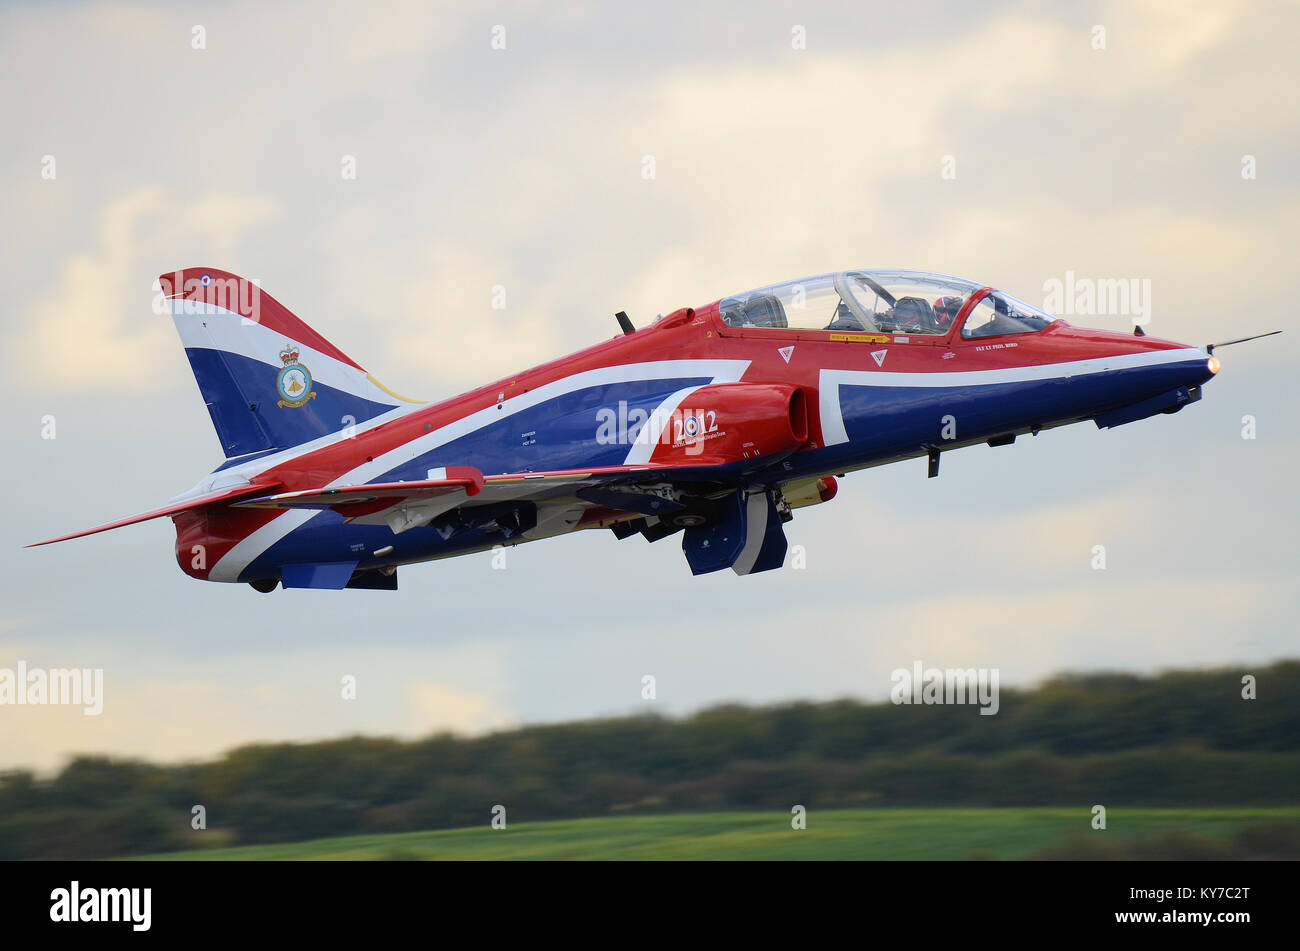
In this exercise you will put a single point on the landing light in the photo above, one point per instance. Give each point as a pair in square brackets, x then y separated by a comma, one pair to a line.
[1213, 364]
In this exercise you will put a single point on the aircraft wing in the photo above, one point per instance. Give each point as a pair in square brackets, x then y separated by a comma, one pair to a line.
[199, 501]
[726, 524]
[400, 505]
[637, 489]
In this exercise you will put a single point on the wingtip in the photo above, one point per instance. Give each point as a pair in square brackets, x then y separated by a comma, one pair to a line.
[51, 541]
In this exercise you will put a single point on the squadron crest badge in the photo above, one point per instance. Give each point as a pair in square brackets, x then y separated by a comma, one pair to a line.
[294, 381]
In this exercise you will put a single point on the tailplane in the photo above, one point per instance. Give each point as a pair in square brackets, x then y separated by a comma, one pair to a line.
[269, 380]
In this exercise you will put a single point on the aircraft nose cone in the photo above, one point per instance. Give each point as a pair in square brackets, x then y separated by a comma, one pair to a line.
[1190, 365]
[1202, 367]
[1198, 369]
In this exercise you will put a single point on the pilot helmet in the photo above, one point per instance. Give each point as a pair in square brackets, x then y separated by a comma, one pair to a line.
[946, 310]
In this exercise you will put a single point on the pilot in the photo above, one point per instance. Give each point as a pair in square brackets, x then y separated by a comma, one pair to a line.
[946, 310]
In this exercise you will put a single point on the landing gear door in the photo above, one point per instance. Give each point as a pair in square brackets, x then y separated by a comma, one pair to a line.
[748, 538]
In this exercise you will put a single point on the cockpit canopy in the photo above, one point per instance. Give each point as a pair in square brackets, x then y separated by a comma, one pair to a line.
[892, 302]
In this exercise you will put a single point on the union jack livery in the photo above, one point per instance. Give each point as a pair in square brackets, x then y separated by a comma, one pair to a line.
[714, 422]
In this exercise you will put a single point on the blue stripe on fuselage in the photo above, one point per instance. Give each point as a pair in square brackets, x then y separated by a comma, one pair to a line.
[560, 433]
[883, 422]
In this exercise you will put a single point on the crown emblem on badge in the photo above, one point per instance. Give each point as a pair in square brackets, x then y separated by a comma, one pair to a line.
[294, 381]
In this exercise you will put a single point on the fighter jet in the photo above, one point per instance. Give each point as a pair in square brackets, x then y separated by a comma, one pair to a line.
[712, 422]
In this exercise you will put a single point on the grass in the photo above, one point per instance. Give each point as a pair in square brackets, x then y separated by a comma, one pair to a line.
[833, 834]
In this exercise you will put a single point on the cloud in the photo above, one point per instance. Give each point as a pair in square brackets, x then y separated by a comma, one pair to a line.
[95, 328]
[1167, 33]
[445, 332]
[720, 135]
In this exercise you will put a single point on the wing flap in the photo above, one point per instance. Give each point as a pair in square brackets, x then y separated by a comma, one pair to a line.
[356, 500]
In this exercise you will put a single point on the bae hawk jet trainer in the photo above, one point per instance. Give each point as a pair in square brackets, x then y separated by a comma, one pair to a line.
[714, 422]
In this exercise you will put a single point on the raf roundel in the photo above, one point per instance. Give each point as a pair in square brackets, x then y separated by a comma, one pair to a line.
[294, 381]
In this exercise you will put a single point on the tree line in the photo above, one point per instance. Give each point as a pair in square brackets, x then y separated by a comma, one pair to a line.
[1183, 738]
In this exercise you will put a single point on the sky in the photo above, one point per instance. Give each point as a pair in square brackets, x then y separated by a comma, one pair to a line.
[1013, 144]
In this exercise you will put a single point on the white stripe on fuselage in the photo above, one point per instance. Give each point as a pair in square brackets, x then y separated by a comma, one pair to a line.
[830, 381]
[209, 327]
[249, 548]
[648, 437]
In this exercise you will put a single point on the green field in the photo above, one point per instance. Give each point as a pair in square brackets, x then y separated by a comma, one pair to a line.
[838, 834]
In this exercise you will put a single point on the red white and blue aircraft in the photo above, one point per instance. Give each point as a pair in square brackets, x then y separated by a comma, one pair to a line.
[714, 422]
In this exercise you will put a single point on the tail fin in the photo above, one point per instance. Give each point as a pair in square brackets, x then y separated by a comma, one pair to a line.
[269, 380]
